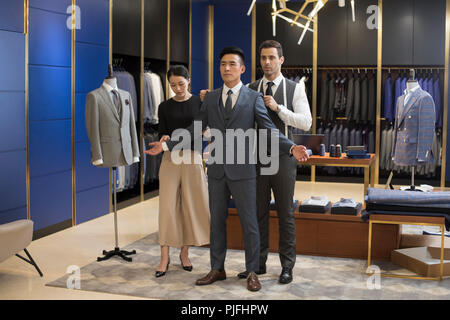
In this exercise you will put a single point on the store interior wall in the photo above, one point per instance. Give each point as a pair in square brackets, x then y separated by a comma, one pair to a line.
[407, 26]
[12, 113]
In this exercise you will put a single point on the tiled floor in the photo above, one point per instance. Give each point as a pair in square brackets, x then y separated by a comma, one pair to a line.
[81, 245]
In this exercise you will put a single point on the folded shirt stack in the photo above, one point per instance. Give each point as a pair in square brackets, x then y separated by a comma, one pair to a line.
[385, 201]
[315, 205]
[346, 206]
[357, 154]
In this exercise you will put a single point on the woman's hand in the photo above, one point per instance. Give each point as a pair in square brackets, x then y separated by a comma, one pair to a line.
[164, 138]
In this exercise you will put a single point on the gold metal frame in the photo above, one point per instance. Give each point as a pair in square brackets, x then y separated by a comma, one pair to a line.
[27, 142]
[390, 275]
[379, 84]
[111, 178]
[314, 84]
[74, 194]
[446, 83]
[254, 44]
[211, 47]
[168, 47]
[141, 114]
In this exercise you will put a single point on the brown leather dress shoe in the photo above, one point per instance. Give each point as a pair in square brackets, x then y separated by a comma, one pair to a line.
[253, 282]
[211, 277]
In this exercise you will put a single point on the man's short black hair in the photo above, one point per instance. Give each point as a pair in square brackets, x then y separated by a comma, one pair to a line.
[233, 50]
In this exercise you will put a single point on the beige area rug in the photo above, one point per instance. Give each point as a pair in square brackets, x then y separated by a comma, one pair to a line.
[314, 278]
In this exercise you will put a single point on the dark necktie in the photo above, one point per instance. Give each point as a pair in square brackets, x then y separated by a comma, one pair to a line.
[228, 105]
[269, 88]
[116, 101]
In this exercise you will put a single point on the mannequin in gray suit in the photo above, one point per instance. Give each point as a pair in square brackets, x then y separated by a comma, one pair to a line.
[111, 127]
[233, 107]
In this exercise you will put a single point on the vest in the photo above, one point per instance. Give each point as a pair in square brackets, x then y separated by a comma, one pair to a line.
[279, 98]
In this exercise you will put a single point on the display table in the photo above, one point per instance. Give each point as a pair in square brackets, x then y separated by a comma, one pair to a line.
[325, 234]
[376, 220]
[327, 161]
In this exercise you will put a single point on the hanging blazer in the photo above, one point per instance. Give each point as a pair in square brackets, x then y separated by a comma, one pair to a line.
[388, 100]
[357, 100]
[414, 129]
[371, 101]
[364, 100]
[324, 98]
[331, 97]
[113, 139]
[350, 96]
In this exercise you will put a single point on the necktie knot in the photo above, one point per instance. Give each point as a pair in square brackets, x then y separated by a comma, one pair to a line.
[269, 88]
[230, 92]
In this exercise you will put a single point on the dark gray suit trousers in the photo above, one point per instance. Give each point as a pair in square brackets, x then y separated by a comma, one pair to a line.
[282, 184]
[244, 195]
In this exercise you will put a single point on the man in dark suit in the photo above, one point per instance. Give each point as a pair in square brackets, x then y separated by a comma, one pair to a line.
[288, 108]
[233, 107]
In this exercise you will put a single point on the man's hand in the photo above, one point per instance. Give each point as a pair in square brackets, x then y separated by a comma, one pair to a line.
[203, 94]
[270, 102]
[156, 148]
[299, 152]
[164, 138]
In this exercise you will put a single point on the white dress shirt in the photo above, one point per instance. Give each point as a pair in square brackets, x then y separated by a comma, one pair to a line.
[301, 116]
[408, 93]
[110, 89]
[234, 96]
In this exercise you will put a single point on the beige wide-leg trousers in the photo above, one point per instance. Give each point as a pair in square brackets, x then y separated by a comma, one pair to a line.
[183, 202]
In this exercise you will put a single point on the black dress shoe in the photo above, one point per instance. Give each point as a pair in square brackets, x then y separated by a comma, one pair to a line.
[186, 268]
[244, 274]
[286, 276]
[162, 273]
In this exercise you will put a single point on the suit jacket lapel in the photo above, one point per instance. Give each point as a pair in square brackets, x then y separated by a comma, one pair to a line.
[408, 106]
[107, 100]
[219, 106]
[122, 101]
[240, 103]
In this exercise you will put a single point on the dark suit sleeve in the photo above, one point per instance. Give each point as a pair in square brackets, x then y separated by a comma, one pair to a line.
[264, 122]
[201, 116]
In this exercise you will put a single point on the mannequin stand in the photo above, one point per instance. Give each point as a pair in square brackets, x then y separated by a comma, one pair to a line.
[413, 187]
[116, 252]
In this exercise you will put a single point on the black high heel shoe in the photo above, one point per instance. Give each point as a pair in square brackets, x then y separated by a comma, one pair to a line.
[162, 273]
[186, 268]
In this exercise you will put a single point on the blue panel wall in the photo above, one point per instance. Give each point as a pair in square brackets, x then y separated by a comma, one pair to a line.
[92, 57]
[199, 54]
[12, 113]
[232, 27]
[50, 140]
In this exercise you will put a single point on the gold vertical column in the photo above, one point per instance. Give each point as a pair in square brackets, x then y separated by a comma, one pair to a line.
[211, 48]
[254, 43]
[111, 178]
[379, 75]
[314, 88]
[74, 191]
[190, 40]
[27, 143]
[168, 48]
[446, 83]
[141, 113]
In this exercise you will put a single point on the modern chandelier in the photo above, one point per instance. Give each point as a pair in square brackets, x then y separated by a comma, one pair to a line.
[283, 10]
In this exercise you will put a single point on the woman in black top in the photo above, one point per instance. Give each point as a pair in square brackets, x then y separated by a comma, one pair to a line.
[183, 193]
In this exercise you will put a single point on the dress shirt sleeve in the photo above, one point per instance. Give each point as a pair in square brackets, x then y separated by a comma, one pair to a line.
[301, 117]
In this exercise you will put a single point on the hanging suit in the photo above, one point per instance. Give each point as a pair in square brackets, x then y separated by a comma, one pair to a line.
[414, 129]
[324, 96]
[331, 97]
[371, 103]
[388, 100]
[357, 100]
[350, 98]
[364, 100]
[437, 103]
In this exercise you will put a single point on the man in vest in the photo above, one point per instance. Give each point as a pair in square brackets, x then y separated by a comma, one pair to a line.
[288, 107]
